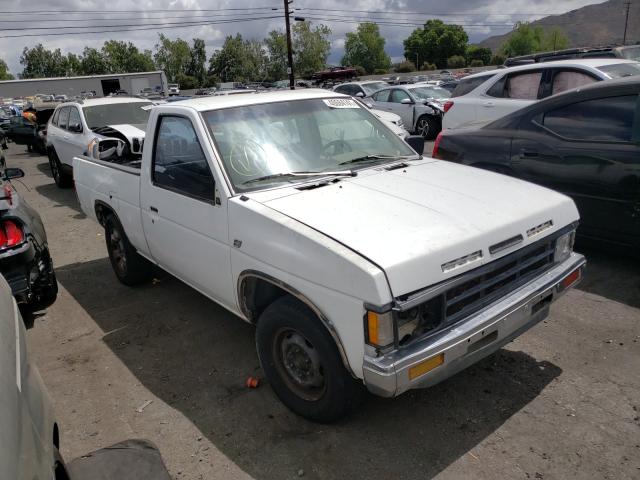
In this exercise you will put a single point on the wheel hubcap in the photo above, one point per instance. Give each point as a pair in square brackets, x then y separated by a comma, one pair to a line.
[117, 251]
[423, 127]
[54, 168]
[299, 364]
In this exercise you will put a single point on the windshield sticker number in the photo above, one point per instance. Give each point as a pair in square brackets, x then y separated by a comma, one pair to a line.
[341, 103]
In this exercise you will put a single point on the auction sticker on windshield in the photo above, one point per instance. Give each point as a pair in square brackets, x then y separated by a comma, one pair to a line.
[341, 103]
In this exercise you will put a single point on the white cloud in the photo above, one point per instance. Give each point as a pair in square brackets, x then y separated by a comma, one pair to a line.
[11, 48]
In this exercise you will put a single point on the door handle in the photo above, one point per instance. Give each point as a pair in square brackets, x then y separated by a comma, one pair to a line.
[528, 153]
[153, 209]
[66, 137]
[488, 104]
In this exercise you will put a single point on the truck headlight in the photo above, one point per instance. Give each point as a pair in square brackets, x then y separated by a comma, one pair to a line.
[379, 329]
[564, 246]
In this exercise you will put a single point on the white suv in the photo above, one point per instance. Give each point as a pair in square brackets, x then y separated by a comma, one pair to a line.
[486, 96]
[74, 125]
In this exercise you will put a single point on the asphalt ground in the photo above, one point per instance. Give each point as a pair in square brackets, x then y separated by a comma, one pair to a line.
[164, 363]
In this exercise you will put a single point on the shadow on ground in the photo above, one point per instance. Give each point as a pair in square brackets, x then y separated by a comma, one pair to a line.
[61, 197]
[609, 275]
[196, 356]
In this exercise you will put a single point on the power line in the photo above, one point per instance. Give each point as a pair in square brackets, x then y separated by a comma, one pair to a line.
[440, 14]
[398, 23]
[120, 12]
[97, 19]
[193, 24]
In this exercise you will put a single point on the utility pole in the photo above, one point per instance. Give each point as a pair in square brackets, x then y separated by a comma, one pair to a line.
[417, 67]
[292, 83]
[626, 22]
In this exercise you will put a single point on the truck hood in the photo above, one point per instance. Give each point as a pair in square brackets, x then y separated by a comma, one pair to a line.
[411, 221]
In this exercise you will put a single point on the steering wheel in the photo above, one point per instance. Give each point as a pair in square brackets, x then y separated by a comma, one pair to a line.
[338, 146]
[248, 159]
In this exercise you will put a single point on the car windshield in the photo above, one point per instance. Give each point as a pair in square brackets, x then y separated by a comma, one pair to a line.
[618, 70]
[310, 136]
[373, 87]
[425, 93]
[116, 114]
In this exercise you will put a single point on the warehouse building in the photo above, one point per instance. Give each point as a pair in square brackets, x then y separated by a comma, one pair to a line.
[102, 85]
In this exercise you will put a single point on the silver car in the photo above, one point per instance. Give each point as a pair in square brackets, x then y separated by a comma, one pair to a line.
[29, 434]
[419, 105]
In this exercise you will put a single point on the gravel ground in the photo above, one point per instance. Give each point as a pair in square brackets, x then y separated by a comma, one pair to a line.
[560, 402]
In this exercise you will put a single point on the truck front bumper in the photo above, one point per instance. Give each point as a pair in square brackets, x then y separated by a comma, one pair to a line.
[472, 339]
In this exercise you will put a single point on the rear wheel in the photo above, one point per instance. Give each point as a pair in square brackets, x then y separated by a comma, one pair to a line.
[302, 362]
[129, 266]
[62, 179]
[428, 127]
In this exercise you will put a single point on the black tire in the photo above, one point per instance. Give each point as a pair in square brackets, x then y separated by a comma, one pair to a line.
[129, 266]
[314, 382]
[63, 180]
[428, 127]
[46, 291]
[59, 468]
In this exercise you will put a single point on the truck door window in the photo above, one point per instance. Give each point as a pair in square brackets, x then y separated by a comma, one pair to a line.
[74, 119]
[54, 121]
[179, 164]
[63, 121]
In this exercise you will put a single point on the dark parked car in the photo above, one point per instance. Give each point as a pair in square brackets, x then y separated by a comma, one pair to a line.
[24, 255]
[584, 143]
[31, 132]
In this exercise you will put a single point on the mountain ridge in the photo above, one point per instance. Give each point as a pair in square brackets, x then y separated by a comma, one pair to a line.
[591, 25]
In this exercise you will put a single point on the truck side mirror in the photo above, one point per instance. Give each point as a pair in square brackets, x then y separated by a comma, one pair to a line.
[416, 142]
[75, 128]
[11, 173]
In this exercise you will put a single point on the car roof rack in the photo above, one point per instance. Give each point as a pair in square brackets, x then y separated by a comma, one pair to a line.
[605, 51]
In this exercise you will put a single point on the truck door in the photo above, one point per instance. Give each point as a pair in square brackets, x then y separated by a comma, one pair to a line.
[184, 220]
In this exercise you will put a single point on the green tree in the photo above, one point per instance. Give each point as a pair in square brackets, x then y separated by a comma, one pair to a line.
[124, 57]
[39, 62]
[405, 67]
[187, 82]
[239, 60]
[475, 52]
[497, 59]
[276, 44]
[172, 56]
[196, 67]
[73, 64]
[311, 48]
[435, 43]
[555, 39]
[476, 63]
[4, 71]
[365, 48]
[92, 62]
[456, 61]
[526, 39]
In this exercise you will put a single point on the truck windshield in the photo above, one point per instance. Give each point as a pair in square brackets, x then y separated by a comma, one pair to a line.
[116, 114]
[312, 136]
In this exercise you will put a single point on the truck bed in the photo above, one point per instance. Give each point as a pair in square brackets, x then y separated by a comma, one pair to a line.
[114, 185]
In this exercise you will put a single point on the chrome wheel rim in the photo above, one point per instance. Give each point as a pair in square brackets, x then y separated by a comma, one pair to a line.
[423, 127]
[298, 363]
[117, 251]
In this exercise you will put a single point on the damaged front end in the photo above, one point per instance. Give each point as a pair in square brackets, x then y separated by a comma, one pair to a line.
[112, 145]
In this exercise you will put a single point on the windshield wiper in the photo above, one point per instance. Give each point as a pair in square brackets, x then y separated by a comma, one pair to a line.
[369, 158]
[343, 173]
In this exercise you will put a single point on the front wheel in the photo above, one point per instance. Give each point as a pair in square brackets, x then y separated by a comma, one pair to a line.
[302, 363]
[129, 266]
[63, 180]
[428, 127]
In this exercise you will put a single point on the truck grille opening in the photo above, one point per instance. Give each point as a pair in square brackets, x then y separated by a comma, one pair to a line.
[477, 289]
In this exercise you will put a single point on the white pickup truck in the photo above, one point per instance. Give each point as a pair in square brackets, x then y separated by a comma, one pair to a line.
[359, 261]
